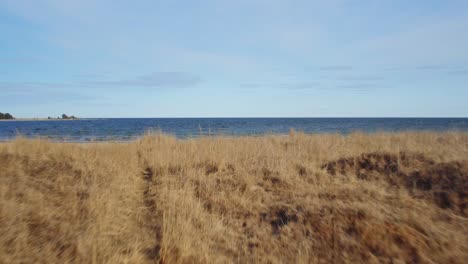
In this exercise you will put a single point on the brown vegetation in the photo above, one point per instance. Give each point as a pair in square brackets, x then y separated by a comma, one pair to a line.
[382, 197]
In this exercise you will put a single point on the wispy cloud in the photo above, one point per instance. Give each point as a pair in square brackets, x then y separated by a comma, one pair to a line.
[329, 68]
[356, 84]
[89, 76]
[361, 78]
[293, 85]
[431, 67]
[448, 69]
[21, 60]
[428, 42]
[38, 93]
[155, 80]
[334, 68]
[428, 68]
[19, 87]
[299, 85]
[363, 87]
[458, 72]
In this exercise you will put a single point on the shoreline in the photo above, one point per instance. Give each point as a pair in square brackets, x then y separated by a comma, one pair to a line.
[40, 119]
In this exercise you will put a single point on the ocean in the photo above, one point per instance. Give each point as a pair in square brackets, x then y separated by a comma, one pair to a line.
[125, 129]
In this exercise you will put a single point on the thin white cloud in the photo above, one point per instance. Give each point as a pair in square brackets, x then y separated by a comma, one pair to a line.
[335, 68]
[155, 80]
[39, 93]
[430, 43]
[21, 60]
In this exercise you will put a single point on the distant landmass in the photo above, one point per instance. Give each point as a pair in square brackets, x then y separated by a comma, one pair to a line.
[8, 116]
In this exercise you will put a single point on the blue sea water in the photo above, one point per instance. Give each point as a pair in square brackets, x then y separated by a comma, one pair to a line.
[123, 129]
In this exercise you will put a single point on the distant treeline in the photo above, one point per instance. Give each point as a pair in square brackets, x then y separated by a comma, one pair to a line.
[6, 116]
[64, 116]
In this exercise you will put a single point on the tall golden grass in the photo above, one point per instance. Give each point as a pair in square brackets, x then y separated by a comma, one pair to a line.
[299, 198]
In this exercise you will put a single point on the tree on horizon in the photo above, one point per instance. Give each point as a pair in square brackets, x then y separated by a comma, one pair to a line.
[6, 116]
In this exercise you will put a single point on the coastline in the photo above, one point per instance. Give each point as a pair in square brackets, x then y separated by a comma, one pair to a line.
[39, 119]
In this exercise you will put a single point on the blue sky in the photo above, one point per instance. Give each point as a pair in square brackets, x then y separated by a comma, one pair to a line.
[238, 58]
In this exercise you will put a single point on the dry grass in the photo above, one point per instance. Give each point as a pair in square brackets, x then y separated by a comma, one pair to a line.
[298, 199]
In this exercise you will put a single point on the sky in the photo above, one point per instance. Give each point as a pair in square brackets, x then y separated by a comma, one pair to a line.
[242, 58]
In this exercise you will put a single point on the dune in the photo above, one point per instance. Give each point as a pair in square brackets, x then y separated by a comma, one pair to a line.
[328, 198]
